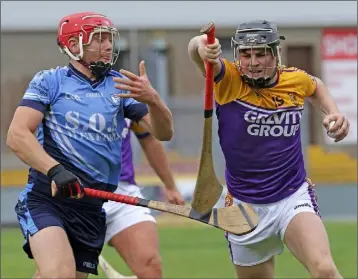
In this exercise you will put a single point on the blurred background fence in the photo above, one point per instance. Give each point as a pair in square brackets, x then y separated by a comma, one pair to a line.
[321, 38]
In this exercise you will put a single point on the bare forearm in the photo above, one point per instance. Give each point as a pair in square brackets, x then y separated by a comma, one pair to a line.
[323, 100]
[28, 149]
[161, 120]
[194, 54]
[157, 159]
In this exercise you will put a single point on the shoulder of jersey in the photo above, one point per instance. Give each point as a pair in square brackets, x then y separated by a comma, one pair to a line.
[52, 71]
[231, 65]
[293, 72]
[285, 69]
[51, 74]
[116, 74]
[228, 62]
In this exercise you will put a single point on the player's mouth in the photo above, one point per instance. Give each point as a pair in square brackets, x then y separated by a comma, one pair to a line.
[256, 71]
[106, 59]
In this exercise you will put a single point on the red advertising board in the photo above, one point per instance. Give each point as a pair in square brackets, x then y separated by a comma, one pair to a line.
[339, 72]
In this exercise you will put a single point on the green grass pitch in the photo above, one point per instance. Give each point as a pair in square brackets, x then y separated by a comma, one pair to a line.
[194, 252]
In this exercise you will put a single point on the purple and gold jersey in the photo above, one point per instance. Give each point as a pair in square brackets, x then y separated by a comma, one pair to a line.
[259, 133]
[127, 172]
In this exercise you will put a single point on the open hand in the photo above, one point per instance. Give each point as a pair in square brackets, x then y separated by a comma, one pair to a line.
[139, 87]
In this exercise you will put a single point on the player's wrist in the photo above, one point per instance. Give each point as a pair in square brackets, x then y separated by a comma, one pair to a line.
[155, 100]
[55, 170]
[170, 187]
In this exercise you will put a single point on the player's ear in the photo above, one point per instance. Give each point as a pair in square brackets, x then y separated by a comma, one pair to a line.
[73, 44]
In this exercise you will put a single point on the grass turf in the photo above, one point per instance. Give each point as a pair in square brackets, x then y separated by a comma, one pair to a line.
[194, 252]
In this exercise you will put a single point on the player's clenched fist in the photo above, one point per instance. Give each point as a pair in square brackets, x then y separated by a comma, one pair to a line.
[65, 183]
[337, 126]
[209, 52]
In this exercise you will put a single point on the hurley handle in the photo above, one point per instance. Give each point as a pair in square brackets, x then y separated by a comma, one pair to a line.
[111, 196]
[209, 30]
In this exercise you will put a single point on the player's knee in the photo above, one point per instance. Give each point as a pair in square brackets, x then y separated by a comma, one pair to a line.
[36, 275]
[60, 273]
[155, 262]
[151, 267]
[325, 269]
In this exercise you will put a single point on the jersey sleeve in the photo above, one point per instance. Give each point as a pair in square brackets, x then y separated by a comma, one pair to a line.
[39, 92]
[133, 109]
[309, 84]
[228, 83]
[139, 131]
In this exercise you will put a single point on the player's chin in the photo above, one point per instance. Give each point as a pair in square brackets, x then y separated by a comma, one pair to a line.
[255, 75]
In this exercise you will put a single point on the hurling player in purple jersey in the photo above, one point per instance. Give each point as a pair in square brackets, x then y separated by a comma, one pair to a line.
[131, 230]
[259, 105]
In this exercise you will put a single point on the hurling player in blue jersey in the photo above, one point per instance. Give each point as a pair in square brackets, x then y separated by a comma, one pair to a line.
[67, 128]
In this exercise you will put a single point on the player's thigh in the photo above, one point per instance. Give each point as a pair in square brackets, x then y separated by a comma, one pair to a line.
[254, 257]
[262, 270]
[120, 216]
[133, 233]
[41, 222]
[81, 275]
[52, 257]
[253, 254]
[138, 245]
[86, 231]
[304, 233]
[307, 239]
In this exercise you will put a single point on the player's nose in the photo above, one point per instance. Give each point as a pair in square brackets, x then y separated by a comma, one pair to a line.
[254, 61]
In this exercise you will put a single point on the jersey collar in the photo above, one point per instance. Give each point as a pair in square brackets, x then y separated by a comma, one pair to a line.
[73, 71]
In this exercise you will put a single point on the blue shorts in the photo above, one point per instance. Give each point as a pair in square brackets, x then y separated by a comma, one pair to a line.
[85, 227]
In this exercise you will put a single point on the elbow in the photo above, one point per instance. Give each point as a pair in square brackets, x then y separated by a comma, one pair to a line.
[13, 139]
[167, 136]
[193, 48]
[168, 133]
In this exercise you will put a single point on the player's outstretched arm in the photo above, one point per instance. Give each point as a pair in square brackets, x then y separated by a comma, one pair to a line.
[157, 159]
[323, 100]
[22, 141]
[159, 120]
[199, 51]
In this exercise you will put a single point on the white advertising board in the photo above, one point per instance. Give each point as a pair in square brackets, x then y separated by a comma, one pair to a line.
[339, 62]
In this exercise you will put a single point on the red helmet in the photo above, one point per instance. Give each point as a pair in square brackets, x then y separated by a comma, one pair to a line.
[84, 26]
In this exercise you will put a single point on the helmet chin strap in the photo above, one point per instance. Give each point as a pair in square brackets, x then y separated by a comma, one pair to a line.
[98, 68]
[260, 82]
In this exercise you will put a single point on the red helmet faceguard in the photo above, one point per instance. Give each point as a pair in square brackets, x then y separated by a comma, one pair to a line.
[83, 26]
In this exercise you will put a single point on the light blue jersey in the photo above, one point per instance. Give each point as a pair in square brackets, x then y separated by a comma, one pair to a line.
[82, 126]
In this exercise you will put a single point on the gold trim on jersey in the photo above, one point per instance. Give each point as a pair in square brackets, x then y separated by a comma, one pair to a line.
[292, 86]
